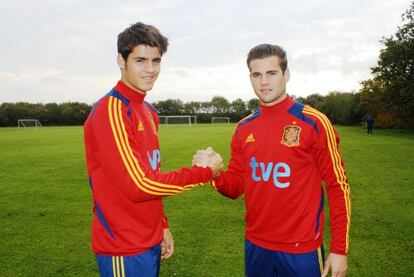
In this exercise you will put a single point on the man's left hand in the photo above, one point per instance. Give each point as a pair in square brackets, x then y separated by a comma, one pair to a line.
[167, 244]
[338, 263]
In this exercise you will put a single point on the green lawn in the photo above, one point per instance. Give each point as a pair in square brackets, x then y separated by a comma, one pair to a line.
[45, 207]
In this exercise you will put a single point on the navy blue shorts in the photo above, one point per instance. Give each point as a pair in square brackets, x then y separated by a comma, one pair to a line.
[260, 262]
[144, 264]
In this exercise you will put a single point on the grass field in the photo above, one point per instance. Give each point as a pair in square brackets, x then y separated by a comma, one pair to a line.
[45, 207]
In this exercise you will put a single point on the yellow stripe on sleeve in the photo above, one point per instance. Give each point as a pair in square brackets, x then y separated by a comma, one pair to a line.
[120, 127]
[333, 148]
[336, 163]
[138, 176]
[120, 150]
[331, 143]
[122, 130]
[213, 184]
[246, 117]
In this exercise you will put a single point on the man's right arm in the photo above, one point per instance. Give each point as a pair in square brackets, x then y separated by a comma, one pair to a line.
[109, 138]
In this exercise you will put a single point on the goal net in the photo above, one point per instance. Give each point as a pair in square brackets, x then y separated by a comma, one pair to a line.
[178, 119]
[220, 120]
[23, 123]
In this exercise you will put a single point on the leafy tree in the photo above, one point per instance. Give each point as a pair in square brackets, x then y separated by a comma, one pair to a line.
[390, 93]
[170, 107]
[314, 100]
[207, 107]
[220, 105]
[53, 115]
[192, 107]
[253, 104]
[338, 107]
[238, 107]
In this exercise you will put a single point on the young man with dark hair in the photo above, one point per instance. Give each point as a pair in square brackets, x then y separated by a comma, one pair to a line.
[130, 231]
[280, 155]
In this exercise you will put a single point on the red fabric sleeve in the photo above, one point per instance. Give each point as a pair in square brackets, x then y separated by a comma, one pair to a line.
[165, 224]
[231, 182]
[117, 153]
[331, 167]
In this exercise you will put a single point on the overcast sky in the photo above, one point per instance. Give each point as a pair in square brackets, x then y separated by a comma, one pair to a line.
[59, 51]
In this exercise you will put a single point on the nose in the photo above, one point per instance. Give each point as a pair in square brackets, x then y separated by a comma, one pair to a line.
[150, 67]
[264, 80]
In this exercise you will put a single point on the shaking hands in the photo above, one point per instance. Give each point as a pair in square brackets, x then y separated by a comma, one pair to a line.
[209, 158]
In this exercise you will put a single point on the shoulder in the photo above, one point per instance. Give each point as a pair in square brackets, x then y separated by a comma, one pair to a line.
[151, 108]
[110, 104]
[248, 119]
[309, 115]
[316, 115]
[322, 122]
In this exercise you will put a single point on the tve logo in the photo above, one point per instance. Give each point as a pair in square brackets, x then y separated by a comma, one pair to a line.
[155, 159]
[280, 169]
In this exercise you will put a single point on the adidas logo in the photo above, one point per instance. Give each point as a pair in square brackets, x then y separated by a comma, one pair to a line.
[250, 138]
[140, 126]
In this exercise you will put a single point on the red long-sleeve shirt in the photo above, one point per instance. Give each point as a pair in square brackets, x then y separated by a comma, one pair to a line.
[123, 157]
[279, 157]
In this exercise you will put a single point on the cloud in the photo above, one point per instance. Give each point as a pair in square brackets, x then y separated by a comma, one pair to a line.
[65, 50]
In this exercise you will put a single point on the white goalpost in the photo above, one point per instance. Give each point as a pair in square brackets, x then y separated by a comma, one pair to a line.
[178, 119]
[220, 119]
[23, 123]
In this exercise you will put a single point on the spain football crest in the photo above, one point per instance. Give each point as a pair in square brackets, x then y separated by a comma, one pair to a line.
[154, 128]
[291, 136]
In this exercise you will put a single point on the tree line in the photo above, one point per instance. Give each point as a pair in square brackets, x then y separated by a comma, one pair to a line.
[340, 107]
[388, 95]
[74, 113]
[48, 114]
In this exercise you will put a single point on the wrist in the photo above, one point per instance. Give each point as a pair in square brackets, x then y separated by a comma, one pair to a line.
[338, 253]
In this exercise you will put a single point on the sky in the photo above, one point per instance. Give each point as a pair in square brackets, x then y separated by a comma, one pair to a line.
[61, 51]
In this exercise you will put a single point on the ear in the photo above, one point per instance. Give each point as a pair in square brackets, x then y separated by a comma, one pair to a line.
[121, 62]
[287, 75]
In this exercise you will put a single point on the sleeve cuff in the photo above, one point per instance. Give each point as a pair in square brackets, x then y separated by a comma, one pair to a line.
[165, 224]
[206, 173]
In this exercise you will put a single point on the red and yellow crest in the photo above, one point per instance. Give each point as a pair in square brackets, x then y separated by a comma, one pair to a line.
[291, 136]
[154, 128]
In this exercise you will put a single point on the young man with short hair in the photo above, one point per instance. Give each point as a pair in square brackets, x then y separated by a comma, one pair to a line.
[130, 231]
[280, 155]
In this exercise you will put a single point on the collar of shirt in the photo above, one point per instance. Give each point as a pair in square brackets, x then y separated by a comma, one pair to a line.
[276, 108]
[129, 93]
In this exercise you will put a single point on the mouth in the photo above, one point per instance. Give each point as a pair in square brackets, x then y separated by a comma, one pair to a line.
[148, 78]
[266, 90]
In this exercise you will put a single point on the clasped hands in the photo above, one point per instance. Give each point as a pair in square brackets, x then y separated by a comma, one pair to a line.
[209, 158]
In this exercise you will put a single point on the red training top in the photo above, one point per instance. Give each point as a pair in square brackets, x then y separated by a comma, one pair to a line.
[123, 162]
[279, 157]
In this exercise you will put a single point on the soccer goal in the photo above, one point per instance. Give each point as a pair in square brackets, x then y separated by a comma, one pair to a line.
[224, 119]
[23, 123]
[178, 119]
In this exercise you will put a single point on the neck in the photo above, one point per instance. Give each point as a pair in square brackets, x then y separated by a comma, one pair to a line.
[128, 84]
[280, 99]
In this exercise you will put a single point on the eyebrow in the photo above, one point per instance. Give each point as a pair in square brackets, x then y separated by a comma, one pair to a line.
[143, 58]
[269, 71]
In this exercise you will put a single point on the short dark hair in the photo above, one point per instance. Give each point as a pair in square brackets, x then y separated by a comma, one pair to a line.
[266, 50]
[140, 33]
